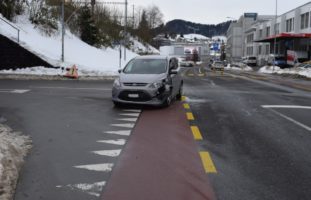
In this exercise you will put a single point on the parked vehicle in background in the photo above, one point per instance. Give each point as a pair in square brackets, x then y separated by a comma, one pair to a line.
[304, 65]
[218, 65]
[183, 62]
[279, 61]
[250, 60]
[148, 80]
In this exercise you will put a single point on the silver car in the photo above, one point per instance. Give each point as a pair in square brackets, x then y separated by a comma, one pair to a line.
[148, 80]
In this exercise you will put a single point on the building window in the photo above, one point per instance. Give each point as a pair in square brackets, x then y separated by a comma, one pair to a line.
[304, 20]
[250, 38]
[290, 25]
[277, 28]
[267, 49]
[249, 51]
[260, 50]
[260, 33]
[268, 31]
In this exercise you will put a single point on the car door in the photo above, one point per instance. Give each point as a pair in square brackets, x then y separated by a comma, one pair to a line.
[174, 77]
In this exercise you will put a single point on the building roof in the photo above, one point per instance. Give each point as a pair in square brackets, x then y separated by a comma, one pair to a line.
[285, 36]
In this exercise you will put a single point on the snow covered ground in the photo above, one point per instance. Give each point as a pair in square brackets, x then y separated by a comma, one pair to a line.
[293, 71]
[13, 149]
[238, 67]
[86, 57]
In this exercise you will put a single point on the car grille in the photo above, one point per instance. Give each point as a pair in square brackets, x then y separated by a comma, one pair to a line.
[142, 96]
[135, 84]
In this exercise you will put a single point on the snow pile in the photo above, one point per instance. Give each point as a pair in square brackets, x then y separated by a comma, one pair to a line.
[140, 48]
[34, 71]
[86, 57]
[293, 71]
[55, 72]
[13, 149]
[238, 67]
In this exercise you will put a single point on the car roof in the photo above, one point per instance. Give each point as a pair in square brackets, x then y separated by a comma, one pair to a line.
[154, 57]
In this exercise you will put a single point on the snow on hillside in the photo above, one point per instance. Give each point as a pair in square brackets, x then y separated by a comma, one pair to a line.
[198, 36]
[139, 48]
[86, 57]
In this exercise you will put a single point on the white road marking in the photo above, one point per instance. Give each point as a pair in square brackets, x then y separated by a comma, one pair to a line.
[212, 83]
[132, 110]
[110, 153]
[105, 167]
[128, 119]
[20, 91]
[115, 142]
[70, 88]
[292, 120]
[14, 91]
[123, 132]
[200, 70]
[286, 106]
[94, 189]
[124, 125]
[131, 114]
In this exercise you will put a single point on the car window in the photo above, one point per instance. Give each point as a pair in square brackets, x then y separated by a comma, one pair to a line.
[146, 66]
[173, 63]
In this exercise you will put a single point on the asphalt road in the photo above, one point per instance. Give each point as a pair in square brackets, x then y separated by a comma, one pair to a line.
[256, 129]
[67, 121]
[261, 150]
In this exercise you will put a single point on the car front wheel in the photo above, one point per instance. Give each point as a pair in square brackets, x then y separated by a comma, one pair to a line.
[180, 93]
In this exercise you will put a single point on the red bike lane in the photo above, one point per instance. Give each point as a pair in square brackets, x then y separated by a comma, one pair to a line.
[160, 161]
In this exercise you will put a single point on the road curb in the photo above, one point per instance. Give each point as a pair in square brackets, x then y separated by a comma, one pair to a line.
[52, 77]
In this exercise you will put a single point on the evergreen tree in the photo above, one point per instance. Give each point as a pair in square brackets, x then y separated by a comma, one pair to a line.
[143, 29]
[88, 29]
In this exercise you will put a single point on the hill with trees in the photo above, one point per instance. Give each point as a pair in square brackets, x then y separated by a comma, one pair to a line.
[179, 26]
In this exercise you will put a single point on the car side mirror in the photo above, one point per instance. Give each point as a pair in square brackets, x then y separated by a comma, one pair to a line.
[173, 71]
[120, 70]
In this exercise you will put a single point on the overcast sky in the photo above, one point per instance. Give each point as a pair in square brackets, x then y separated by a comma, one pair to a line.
[216, 11]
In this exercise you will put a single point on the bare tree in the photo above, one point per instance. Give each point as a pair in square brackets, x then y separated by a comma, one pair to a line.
[155, 16]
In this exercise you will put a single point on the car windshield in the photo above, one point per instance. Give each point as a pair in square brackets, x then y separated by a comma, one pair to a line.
[146, 66]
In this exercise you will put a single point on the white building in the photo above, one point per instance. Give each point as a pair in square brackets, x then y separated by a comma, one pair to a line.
[291, 31]
[237, 35]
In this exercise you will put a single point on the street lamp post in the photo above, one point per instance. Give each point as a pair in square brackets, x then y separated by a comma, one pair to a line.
[275, 24]
[63, 29]
[125, 30]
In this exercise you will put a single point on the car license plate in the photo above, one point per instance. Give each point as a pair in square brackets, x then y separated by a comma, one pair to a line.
[133, 95]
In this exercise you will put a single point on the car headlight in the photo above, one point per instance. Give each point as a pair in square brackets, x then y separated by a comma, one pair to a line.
[117, 83]
[156, 85]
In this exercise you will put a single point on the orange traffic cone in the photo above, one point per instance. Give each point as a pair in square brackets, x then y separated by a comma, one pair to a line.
[72, 72]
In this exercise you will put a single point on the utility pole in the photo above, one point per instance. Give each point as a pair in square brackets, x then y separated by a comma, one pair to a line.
[133, 16]
[93, 5]
[276, 15]
[63, 30]
[125, 30]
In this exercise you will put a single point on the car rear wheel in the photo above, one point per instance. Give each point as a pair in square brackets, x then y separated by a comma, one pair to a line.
[180, 93]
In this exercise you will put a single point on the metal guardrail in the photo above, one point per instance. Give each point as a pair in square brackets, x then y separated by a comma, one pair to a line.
[18, 30]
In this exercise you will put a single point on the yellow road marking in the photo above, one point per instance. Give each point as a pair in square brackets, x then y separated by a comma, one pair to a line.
[207, 162]
[183, 98]
[196, 133]
[190, 116]
[186, 106]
